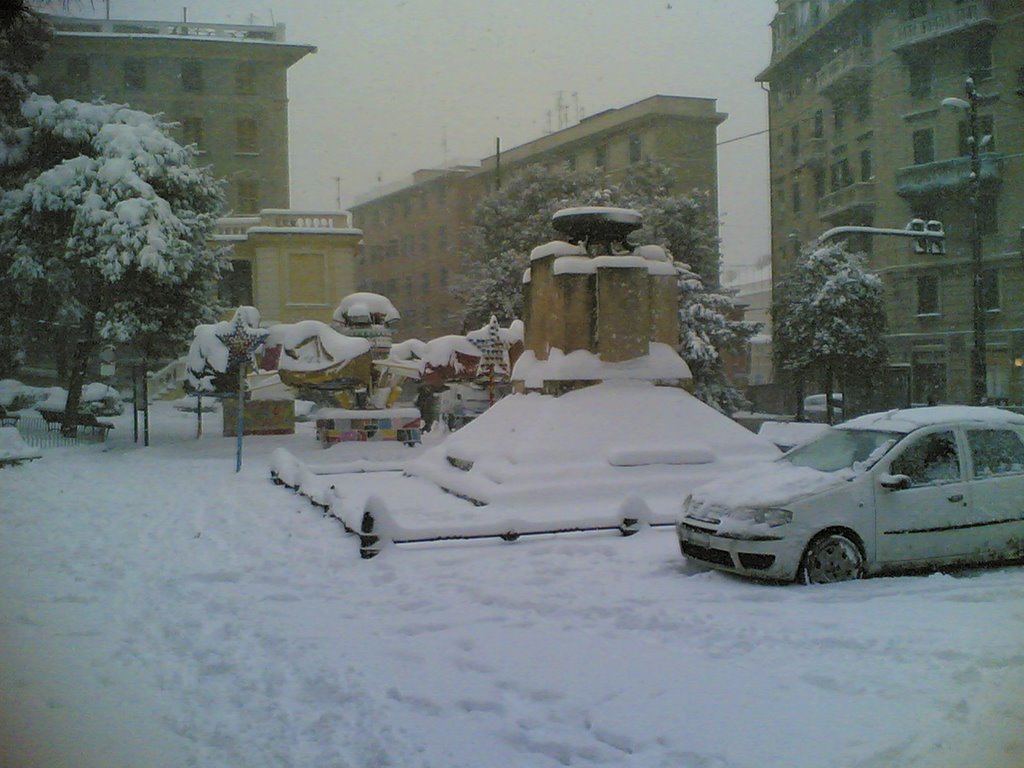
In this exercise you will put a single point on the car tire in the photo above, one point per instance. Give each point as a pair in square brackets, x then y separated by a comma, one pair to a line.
[831, 557]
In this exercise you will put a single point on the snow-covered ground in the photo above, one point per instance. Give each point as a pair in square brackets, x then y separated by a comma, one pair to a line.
[157, 609]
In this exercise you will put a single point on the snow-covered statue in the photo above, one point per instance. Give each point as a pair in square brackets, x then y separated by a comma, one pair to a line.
[598, 307]
[368, 316]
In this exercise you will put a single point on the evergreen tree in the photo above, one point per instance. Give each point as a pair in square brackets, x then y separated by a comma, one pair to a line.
[708, 329]
[828, 318]
[512, 221]
[24, 36]
[104, 230]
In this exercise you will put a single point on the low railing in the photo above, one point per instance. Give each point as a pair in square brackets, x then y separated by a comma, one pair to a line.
[274, 33]
[933, 25]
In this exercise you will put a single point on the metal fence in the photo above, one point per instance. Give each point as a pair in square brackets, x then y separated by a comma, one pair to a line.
[38, 434]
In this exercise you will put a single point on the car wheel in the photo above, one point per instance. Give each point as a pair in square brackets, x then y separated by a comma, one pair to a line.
[831, 557]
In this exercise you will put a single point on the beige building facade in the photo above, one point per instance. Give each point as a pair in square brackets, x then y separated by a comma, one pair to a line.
[414, 233]
[291, 265]
[224, 84]
[859, 136]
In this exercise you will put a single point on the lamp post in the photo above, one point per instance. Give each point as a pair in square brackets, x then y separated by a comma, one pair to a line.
[979, 372]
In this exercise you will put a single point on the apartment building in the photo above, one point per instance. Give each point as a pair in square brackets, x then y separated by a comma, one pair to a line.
[224, 84]
[414, 232]
[860, 136]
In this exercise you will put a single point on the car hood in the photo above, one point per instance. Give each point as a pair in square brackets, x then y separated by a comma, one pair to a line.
[770, 484]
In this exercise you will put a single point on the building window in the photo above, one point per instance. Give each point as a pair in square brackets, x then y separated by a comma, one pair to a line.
[841, 176]
[796, 196]
[978, 58]
[192, 131]
[443, 277]
[192, 75]
[924, 146]
[927, 295]
[248, 196]
[248, 135]
[922, 72]
[917, 8]
[425, 283]
[866, 171]
[636, 149]
[794, 139]
[819, 124]
[601, 157]
[986, 127]
[819, 183]
[235, 287]
[424, 243]
[988, 213]
[78, 70]
[134, 75]
[245, 77]
[408, 286]
[862, 105]
[990, 290]
[928, 376]
[838, 116]
[442, 239]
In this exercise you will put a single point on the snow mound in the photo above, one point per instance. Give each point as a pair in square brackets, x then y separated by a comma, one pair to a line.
[602, 442]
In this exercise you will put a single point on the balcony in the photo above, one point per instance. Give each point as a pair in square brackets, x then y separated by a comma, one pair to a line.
[848, 71]
[945, 176]
[811, 153]
[789, 33]
[928, 28]
[857, 198]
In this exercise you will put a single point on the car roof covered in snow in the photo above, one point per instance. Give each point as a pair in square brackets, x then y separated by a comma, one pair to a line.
[908, 419]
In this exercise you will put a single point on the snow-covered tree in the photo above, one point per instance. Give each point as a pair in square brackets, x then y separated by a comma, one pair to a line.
[513, 220]
[104, 228]
[24, 35]
[828, 318]
[708, 329]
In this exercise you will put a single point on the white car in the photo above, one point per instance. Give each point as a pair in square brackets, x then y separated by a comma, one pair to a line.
[902, 490]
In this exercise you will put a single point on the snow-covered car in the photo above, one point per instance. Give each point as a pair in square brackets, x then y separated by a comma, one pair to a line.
[902, 490]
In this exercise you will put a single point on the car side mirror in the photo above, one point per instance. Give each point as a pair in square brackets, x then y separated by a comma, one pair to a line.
[894, 482]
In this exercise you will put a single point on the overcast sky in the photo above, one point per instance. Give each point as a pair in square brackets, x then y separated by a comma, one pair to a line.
[398, 85]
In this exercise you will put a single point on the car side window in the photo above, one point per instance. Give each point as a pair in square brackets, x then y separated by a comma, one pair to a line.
[932, 459]
[996, 452]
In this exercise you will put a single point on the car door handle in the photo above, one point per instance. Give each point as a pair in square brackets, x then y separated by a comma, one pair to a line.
[956, 497]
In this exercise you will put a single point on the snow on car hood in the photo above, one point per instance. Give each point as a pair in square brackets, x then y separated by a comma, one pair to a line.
[765, 485]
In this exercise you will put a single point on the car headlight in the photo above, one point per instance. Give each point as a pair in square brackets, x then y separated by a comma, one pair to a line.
[773, 517]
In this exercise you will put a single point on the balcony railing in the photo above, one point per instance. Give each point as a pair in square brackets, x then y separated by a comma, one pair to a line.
[274, 33]
[858, 196]
[785, 41]
[850, 69]
[946, 175]
[934, 25]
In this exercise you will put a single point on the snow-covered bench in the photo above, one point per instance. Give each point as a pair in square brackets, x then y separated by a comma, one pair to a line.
[55, 420]
[8, 419]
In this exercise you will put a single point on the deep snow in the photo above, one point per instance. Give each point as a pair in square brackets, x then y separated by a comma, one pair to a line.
[157, 609]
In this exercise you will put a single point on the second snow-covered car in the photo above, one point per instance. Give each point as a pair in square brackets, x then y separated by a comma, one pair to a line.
[906, 489]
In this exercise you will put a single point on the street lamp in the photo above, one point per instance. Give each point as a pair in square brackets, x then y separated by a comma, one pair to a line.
[979, 373]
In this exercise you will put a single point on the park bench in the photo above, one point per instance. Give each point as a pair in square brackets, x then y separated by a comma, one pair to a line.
[55, 420]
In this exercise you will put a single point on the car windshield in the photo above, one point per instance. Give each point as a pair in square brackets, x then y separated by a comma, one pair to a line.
[843, 449]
